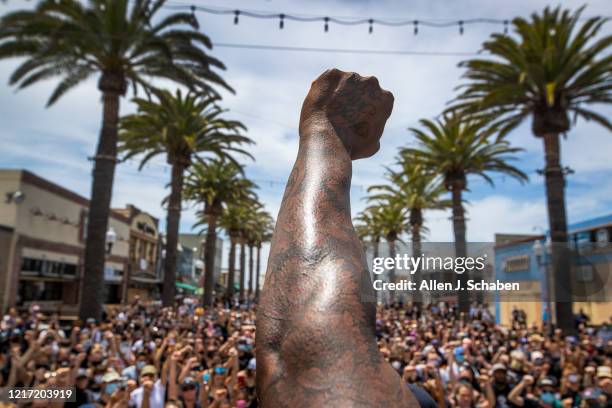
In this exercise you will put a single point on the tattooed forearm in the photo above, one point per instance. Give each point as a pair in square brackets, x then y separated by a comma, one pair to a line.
[315, 338]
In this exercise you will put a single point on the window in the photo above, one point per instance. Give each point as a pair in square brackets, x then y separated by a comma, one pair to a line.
[70, 270]
[31, 266]
[31, 291]
[36, 267]
[603, 237]
[516, 263]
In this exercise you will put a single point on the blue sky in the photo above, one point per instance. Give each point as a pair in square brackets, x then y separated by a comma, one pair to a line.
[56, 142]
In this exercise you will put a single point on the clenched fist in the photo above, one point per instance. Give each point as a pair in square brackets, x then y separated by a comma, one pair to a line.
[355, 106]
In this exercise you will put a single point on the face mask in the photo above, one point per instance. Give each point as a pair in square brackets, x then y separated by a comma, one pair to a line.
[547, 398]
[111, 388]
[98, 378]
[140, 364]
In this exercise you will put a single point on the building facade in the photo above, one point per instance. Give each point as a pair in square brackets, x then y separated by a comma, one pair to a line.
[143, 279]
[42, 238]
[527, 259]
[195, 246]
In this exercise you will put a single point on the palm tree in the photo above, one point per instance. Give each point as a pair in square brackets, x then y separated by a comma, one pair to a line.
[257, 231]
[456, 149]
[553, 68]
[214, 184]
[182, 128]
[368, 228]
[119, 42]
[419, 190]
[391, 216]
[264, 232]
[246, 240]
[232, 221]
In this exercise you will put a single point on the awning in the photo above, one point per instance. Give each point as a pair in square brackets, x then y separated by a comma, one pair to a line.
[186, 286]
[144, 280]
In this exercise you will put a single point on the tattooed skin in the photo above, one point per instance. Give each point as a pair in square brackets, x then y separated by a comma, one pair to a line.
[316, 344]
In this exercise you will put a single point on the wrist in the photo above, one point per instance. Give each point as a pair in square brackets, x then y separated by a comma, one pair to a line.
[319, 134]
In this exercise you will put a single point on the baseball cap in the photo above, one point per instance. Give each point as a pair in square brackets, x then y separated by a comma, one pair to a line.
[110, 377]
[82, 373]
[189, 382]
[498, 367]
[547, 382]
[537, 354]
[148, 370]
[604, 372]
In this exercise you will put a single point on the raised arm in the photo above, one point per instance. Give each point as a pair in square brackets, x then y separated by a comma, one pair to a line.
[316, 341]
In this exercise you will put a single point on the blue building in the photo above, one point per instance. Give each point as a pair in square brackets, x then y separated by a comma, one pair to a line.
[527, 259]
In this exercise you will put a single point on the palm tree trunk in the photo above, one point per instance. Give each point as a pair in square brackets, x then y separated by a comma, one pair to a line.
[250, 270]
[416, 222]
[557, 221]
[376, 247]
[242, 268]
[231, 274]
[172, 231]
[391, 243]
[209, 260]
[257, 271]
[92, 295]
[460, 244]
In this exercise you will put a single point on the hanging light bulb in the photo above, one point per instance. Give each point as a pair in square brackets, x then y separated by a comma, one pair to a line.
[281, 23]
[193, 19]
[416, 27]
[461, 27]
[326, 27]
[236, 15]
[371, 28]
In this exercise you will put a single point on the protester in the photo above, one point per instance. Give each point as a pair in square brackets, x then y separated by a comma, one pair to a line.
[142, 355]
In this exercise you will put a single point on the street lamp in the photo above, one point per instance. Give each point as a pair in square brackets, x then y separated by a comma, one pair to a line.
[537, 249]
[111, 238]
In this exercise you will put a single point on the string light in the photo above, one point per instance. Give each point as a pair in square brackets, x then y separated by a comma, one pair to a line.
[342, 20]
[347, 21]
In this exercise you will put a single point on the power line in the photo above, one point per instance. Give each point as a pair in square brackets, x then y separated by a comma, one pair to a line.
[345, 51]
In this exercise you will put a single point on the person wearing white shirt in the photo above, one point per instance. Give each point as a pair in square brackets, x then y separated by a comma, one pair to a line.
[152, 391]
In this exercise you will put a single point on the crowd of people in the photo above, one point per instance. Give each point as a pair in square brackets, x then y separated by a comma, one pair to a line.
[142, 355]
